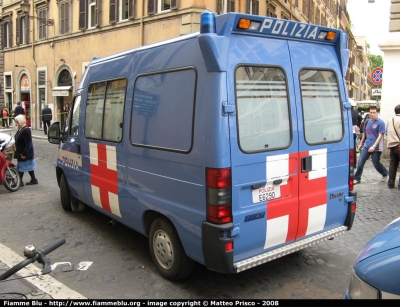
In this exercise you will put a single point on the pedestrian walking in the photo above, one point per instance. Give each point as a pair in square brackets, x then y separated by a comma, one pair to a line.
[7, 142]
[47, 116]
[393, 143]
[19, 110]
[4, 116]
[24, 149]
[371, 144]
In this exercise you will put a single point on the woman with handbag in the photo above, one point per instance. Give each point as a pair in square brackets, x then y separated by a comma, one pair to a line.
[24, 150]
[393, 143]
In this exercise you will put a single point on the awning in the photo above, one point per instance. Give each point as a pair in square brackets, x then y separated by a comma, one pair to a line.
[61, 90]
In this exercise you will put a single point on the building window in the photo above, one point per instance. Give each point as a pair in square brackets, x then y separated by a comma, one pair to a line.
[22, 30]
[92, 14]
[88, 14]
[121, 10]
[64, 17]
[252, 7]
[8, 82]
[271, 9]
[154, 6]
[7, 34]
[42, 14]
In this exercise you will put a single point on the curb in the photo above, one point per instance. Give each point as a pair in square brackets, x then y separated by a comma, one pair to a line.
[45, 283]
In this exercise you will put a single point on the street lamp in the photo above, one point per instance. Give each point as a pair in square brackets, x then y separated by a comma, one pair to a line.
[25, 7]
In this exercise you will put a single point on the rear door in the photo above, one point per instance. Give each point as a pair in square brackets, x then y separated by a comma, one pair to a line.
[323, 142]
[288, 151]
[264, 145]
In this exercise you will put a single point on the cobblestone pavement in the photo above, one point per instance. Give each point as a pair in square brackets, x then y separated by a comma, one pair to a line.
[122, 266]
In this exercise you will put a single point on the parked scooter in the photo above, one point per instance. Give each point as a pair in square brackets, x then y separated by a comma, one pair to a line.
[8, 172]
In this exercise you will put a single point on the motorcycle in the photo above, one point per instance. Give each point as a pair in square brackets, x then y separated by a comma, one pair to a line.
[9, 176]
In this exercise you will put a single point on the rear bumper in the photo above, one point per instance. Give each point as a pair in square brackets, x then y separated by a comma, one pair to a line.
[214, 239]
[287, 249]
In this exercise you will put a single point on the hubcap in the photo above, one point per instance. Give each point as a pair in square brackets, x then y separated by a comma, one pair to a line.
[163, 249]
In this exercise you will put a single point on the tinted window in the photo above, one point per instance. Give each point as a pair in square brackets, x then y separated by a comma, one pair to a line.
[163, 110]
[262, 108]
[322, 111]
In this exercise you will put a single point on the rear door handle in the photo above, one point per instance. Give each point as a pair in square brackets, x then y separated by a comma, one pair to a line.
[306, 164]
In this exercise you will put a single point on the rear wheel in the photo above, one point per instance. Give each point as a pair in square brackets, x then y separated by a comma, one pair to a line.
[13, 181]
[167, 251]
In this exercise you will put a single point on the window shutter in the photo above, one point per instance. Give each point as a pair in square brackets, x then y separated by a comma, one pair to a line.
[113, 11]
[131, 9]
[97, 14]
[312, 10]
[10, 34]
[248, 3]
[231, 5]
[151, 7]
[17, 31]
[174, 4]
[82, 14]
[256, 7]
[4, 35]
[42, 77]
[27, 33]
[219, 10]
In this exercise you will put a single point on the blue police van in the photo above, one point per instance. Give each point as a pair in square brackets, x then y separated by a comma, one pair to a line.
[229, 147]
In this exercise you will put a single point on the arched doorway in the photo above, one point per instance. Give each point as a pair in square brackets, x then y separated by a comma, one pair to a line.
[63, 93]
[25, 91]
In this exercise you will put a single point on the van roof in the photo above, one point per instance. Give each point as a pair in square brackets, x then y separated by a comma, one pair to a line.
[227, 24]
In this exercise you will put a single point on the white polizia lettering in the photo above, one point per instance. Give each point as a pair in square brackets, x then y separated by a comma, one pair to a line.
[287, 28]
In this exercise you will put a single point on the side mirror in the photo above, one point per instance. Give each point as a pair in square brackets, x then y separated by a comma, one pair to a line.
[54, 133]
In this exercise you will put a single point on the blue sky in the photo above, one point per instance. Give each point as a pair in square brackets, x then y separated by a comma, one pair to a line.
[371, 20]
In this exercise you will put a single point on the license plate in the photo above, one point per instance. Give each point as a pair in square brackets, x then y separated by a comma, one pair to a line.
[266, 193]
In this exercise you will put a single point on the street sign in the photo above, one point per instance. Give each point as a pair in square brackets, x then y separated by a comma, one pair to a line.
[376, 92]
[376, 76]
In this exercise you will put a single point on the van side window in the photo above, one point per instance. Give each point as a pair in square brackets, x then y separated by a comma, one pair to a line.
[163, 110]
[262, 108]
[72, 124]
[105, 109]
[322, 111]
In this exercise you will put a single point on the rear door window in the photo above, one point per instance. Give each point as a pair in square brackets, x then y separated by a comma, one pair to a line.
[262, 108]
[322, 110]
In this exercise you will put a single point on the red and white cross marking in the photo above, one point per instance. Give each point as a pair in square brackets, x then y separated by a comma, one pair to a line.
[104, 177]
[292, 216]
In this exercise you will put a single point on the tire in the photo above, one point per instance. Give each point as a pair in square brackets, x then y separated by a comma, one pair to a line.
[13, 181]
[167, 251]
[68, 202]
[65, 195]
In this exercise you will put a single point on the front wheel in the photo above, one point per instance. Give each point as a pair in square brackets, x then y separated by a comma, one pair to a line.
[167, 251]
[68, 202]
[13, 181]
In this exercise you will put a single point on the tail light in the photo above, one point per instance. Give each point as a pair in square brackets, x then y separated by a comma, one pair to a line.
[219, 195]
[352, 163]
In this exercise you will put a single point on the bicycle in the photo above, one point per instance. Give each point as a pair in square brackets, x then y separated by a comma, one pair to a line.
[32, 255]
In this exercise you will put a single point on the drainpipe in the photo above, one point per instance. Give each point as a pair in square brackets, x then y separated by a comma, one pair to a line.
[36, 111]
[141, 25]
